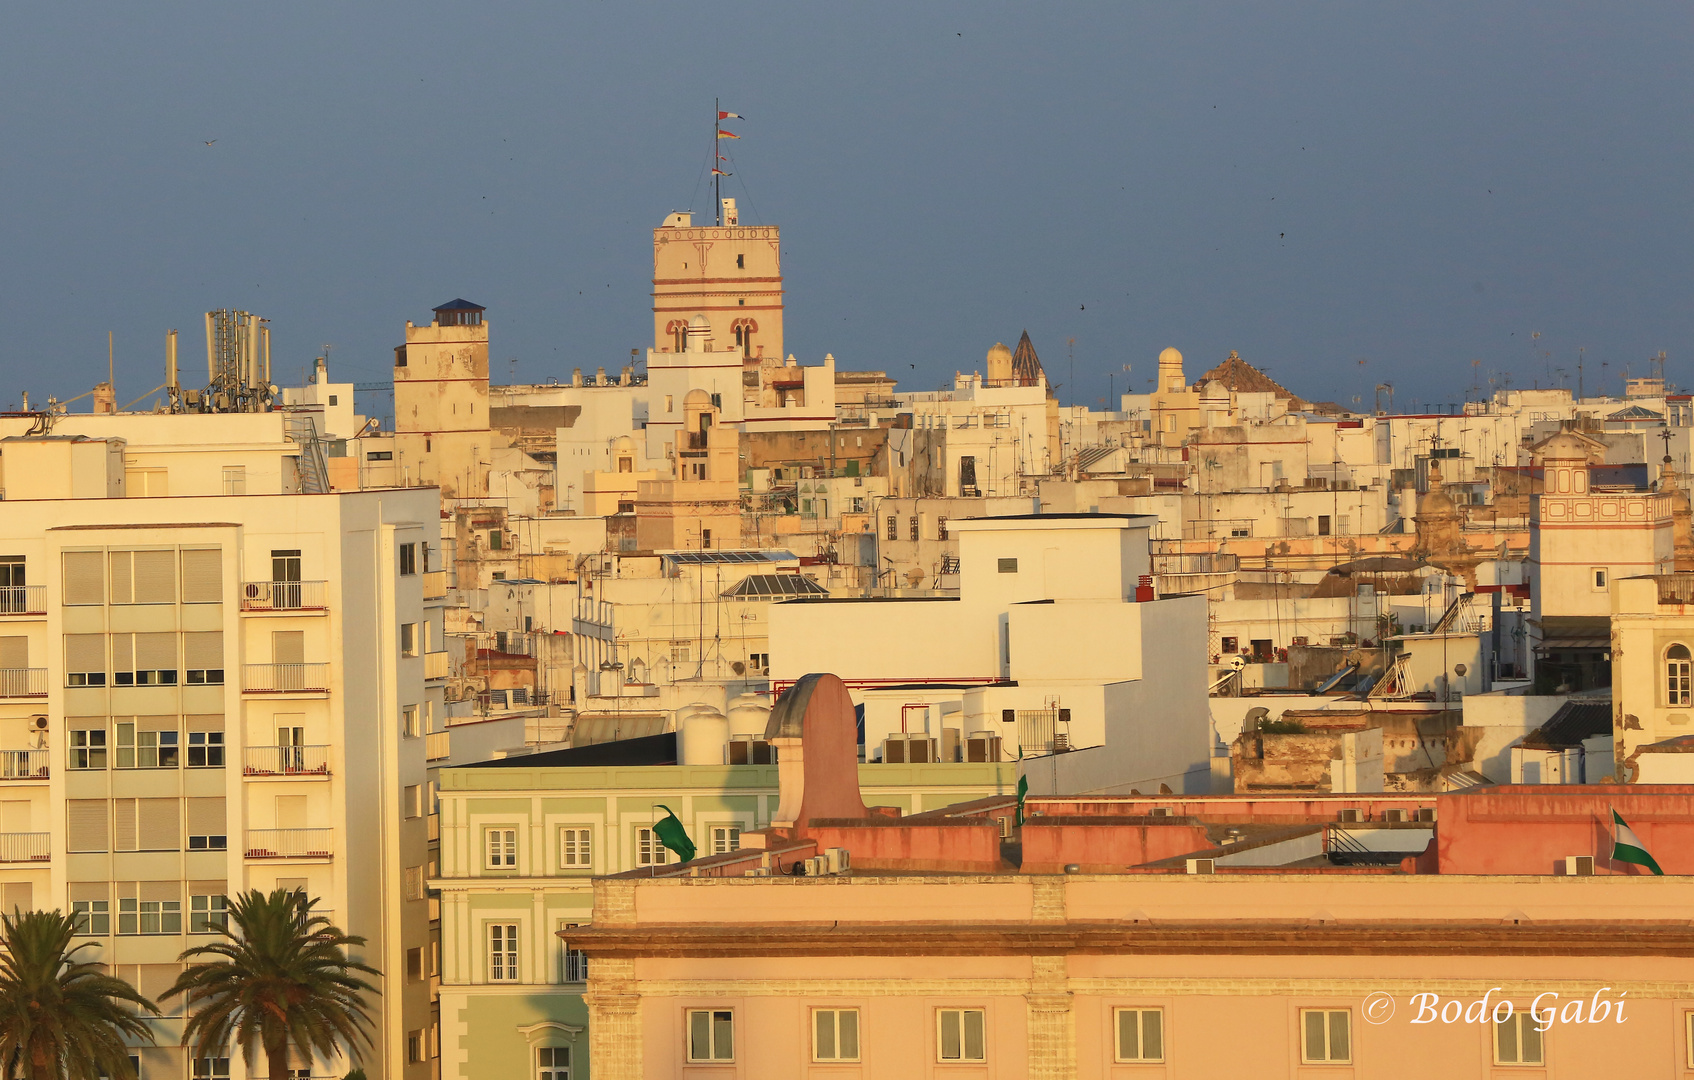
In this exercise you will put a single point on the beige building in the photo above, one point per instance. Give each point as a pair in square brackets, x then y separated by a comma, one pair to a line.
[441, 422]
[730, 273]
[205, 694]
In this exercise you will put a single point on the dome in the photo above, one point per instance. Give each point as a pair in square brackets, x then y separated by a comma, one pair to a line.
[698, 321]
[1213, 390]
[699, 398]
[999, 364]
[1170, 358]
[999, 353]
[1436, 501]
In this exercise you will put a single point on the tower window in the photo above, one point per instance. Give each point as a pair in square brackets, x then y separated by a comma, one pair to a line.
[741, 262]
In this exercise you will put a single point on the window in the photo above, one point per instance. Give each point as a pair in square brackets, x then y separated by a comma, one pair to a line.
[1688, 1022]
[912, 529]
[147, 749]
[741, 262]
[409, 721]
[210, 1068]
[502, 952]
[1323, 524]
[1326, 1035]
[85, 659]
[88, 748]
[414, 883]
[576, 847]
[502, 848]
[1677, 670]
[235, 479]
[1008, 566]
[1517, 1041]
[334, 399]
[1231, 646]
[726, 838]
[85, 578]
[1141, 1034]
[893, 532]
[711, 1035]
[553, 1063]
[941, 528]
[208, 842]
[573, 963]
[207, 914]
[496, 540]
[413, 800]
[409, 639]
[1599, 573]
[380, 455]
[143, 577]
[414, 1046]
[93, 917]
[835, 1034]
[414, 965]
[679, 652]
[408, 558]
[141, 917]
[648, 850]
[205, 749]
[203, 658]
[759, 662]
[145, 659]
[961, 1035]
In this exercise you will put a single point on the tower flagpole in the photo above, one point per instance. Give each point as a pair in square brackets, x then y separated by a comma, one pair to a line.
[717, 178]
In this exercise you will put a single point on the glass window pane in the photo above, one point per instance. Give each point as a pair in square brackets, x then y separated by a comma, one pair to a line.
[1339, 1050]
[974, 1039]
[824, 1022]
[723, 1036]
[949, 1035]
[848, 1020]
[1153, 1034]
[1531, 1039]
[699, 1036]
[1314, 1036]
[1506, 1039]
[1129, 1039]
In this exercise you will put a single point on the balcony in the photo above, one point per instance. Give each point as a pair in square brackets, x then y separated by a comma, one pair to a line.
[434, 584]
[23, 600]
[286, 679]
[23, 847]
[438, 746]
[17, 682]
[303, 596]
[437, 665]
[23, 764]
[289, 843]
[286, 761]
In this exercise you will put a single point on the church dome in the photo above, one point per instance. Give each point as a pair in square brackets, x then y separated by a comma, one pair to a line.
[1170, 358]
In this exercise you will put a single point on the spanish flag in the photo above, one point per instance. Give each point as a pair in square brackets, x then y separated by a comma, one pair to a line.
[722, 134]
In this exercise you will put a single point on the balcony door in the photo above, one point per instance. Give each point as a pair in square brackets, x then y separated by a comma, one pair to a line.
[285, 580]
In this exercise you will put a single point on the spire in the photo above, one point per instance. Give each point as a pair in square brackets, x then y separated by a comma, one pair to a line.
[1026, 366]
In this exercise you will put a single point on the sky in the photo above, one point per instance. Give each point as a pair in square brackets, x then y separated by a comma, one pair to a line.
[1430, 195]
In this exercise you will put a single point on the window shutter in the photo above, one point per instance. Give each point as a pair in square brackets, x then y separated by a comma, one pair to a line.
[206, 817]
[14, 652]
[155, 577]
[291, 811]
[160, 824]
[156, 979]
[288, 647]
[205, 722]
[204, 649]
[155, 723]
[86, 652]
[202, 576]
[128, 890]
[208, 888]
[89, 890]
[291, 884]
[123, 577]
[85, 825]
[17, 896]
[155, 652]
[123, 825]
[84, 581]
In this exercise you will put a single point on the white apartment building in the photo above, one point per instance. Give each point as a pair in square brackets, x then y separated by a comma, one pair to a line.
[201, 695]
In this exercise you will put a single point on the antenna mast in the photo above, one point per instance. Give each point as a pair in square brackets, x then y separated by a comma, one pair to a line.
[717, 177]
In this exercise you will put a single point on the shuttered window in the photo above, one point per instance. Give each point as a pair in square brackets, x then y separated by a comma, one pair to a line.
[206, 829]
[85, 659]
[123, 577]
[85, 578]
[155, 577]
[159, 824]
[203, 658]
[155, 659]
[14, 652]
[124, 830]
[85, 825]
[123, 659]
[202, 576]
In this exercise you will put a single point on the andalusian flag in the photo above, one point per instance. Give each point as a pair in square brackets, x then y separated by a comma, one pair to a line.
[1627, 847]
[671, 834]
[1023, 793]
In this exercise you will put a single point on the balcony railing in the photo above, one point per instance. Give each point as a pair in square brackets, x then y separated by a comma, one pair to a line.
[23, 682]
[434, 584]
[437, 665]
[284, 595]
[286, 761]
[23, 599]
[289, 843]
[23, 847]
[438, 746]
[23, 764]
[286, 678]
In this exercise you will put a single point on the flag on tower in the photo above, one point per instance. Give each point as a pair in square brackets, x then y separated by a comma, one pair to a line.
[720, 172]
[722, 134]
[730, 116]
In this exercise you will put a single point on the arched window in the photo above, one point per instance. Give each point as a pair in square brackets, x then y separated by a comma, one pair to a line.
[1677, 670]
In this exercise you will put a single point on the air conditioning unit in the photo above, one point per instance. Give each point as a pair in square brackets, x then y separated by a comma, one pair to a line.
[257, 592]
[1201, 866]
[1005, 826]
[909, 750]
[1160, 811]
[982, 746]
[1351, 814]
[816, 866]
[751, 751]
[950, 744]
[1394, 815]
[1061, 742]
[1425, 813]
[837, 860]
[1579, 866]
[757, 871]
[38, 723]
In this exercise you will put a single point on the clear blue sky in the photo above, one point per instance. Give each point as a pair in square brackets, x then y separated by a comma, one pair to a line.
[1413, 185]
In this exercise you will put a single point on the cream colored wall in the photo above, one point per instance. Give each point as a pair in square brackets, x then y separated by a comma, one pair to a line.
[695, 273]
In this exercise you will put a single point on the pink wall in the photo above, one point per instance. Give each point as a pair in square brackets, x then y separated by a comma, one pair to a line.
[1049, 845]
[1530, 829]
[965, 846]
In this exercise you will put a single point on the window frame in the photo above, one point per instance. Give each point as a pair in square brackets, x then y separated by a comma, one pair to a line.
[208, 746]
[552, 1070]
[1519, 1021]
[211, 915]
[1141, 1012]
[1328, 1036]
[712, 1056]
[408, 559]
[835, 1014]
[88, 749]
[1678, 676]
[731, 837]
[503, 958]
[964, 1057]
[582, 838]
[509, 841]
[93, 918]
[649, 849]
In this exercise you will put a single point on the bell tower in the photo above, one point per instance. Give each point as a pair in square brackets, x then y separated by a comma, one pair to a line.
[731, 274]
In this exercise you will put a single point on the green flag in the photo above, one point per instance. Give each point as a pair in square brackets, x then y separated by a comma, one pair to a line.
[671, 834]
[1023, 793]
[1627, 847]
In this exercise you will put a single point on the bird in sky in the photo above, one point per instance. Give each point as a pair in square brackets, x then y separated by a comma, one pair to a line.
[210, 141]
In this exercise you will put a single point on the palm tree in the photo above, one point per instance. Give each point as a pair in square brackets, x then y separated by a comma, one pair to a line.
[61, 1018]
[284, 980]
